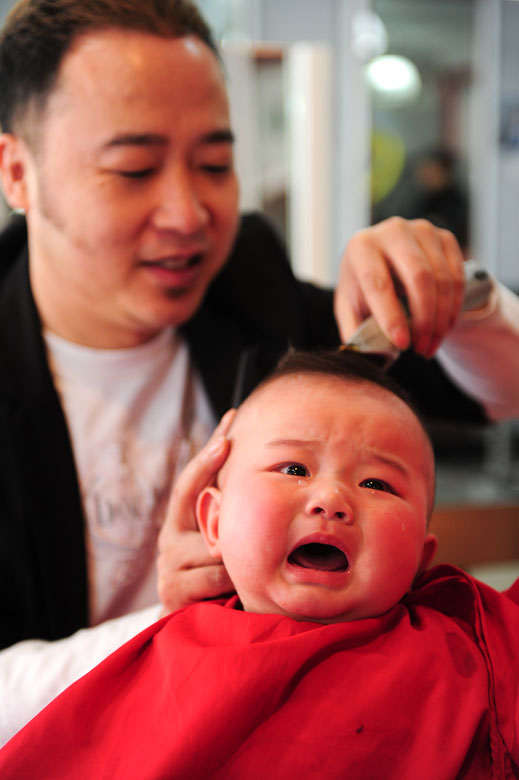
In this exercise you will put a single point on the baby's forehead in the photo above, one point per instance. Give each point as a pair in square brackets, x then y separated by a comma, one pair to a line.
[283, 392]
[385, 418]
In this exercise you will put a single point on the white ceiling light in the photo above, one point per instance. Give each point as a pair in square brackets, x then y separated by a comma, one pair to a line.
[394, 78]
[368, 35]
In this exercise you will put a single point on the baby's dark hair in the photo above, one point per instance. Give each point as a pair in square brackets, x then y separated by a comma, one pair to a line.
[39, 33]
[343, 363]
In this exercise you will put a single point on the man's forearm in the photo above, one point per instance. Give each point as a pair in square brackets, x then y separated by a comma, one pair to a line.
[34, 672]
[481, 354]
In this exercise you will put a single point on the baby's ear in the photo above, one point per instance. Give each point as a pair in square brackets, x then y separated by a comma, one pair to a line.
[429, 551]
[208, 516]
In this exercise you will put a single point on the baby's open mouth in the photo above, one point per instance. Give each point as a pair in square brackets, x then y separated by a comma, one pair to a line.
[324, 557]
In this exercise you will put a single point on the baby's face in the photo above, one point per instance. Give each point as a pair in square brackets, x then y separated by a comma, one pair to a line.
[322, 506]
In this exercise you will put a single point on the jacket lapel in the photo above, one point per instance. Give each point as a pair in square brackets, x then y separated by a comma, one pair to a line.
[51, 520]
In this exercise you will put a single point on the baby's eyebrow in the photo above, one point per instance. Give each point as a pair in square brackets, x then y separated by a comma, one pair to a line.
[292, 443]
[389, 460]
[386, 459]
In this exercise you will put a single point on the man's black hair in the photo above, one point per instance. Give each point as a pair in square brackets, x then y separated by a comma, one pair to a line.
[39, 33]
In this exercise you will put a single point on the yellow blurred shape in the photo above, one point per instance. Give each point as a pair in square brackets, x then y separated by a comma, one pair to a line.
[387, 163]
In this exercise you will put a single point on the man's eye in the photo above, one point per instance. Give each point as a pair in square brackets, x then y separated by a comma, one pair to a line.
[142, 173]
[377, 484]
[216, 170]
[294, 470]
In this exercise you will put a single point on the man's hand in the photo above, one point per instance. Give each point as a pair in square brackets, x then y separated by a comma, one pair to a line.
[401, 258]
[186, 571]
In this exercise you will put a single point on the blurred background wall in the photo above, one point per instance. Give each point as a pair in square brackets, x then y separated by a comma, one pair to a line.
[461, 96]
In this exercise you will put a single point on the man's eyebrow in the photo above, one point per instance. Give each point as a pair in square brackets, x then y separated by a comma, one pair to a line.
[136, 139]
[224, 136]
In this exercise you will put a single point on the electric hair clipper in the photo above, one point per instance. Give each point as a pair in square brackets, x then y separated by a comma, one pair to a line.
[370, 339]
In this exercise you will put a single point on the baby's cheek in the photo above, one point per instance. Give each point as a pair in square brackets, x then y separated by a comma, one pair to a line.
[247, 519]
[397, 547]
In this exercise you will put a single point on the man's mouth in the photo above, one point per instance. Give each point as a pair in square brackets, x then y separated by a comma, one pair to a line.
[176, 263]
[323, 557]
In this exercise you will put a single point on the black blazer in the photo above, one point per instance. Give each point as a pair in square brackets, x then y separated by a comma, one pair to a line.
[252, 312]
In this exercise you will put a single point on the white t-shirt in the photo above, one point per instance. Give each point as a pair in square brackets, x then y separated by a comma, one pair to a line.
[135, 417]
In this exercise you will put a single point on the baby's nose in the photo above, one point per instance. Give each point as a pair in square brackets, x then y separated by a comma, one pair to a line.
[331, 503]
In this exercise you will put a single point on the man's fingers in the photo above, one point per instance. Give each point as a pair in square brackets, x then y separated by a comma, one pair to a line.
[192, 585]
[434, 289]
[366, 286]
[222, 429]
[348, 304]
[455, 260]
[185, 550]
[187, 573]
[396, 259]
[198, 473]
[429, 289]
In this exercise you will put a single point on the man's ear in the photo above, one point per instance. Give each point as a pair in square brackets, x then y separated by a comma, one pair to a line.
[429, 551]
[14, 159]
[208, 516]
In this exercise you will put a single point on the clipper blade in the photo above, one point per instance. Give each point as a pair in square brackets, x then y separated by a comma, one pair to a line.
[370, 340]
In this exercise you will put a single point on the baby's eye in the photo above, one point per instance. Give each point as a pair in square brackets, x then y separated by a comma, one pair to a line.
[295, 470]
[377, 484]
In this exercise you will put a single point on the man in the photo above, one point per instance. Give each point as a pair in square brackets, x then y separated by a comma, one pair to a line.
[141, 302]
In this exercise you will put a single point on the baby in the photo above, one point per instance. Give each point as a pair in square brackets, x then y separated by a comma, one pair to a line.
[322, 508]
[341, 655]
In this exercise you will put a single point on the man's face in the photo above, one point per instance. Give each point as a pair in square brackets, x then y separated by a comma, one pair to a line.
[323, 503]
[131, 191]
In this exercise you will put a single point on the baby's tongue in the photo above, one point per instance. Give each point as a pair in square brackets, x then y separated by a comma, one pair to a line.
[324, 557]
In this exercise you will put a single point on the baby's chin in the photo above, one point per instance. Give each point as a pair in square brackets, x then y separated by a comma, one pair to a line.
[316, 609]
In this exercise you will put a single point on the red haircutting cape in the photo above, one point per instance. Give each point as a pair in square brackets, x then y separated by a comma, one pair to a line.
[427, 691]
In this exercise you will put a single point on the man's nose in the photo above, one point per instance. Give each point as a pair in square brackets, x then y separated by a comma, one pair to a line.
[180, 208]
[331, 502]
